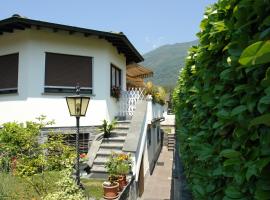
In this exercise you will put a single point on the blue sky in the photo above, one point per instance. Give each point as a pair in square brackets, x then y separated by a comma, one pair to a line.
[147, 23]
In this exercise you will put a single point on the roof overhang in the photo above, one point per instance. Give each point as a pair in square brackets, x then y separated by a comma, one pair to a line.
[138, 71]
[119, 40]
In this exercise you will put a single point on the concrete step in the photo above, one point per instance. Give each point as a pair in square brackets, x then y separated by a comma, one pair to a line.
[98, 168]
[111, 145]
[98, 171]
[120, 133]
[114, 138]
[100, 160]
[124, 123]
[107, 152]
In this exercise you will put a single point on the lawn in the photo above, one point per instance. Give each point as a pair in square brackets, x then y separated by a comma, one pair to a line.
[93, 188]
[16, 188]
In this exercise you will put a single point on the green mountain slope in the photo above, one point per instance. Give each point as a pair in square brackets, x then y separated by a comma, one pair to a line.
[166, 62]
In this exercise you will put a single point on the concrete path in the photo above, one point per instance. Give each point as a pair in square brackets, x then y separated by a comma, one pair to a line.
[158, 185]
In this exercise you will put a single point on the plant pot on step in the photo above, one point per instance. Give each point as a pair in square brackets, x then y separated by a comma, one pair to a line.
[110, 190]
[122, 180]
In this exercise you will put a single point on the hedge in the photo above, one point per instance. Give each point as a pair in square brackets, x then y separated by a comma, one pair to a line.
[222, 103]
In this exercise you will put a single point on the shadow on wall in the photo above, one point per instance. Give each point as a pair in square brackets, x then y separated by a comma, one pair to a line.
[179, 187]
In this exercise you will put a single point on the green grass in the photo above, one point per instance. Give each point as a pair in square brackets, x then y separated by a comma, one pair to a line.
[15, 188]
[93, 188]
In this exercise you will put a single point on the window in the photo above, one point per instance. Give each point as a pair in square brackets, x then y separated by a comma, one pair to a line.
[149, 136]
[9, 73]
[84, 140]
[115, 77]
[63, 72]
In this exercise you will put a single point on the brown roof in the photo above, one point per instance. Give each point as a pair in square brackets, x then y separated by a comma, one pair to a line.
[135, 70]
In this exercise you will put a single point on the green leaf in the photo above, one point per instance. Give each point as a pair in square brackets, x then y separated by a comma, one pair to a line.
[265, 33]
[199, 189]
[230, 153]
[266, 81]
[263, 119]
[232, 192]
[262, 163]
[239, 109]
[263, 103]
[262, 194]
[257, 53]
[252, 171]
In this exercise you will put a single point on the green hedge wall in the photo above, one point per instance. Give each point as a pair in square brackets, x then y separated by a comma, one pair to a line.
[222, 103]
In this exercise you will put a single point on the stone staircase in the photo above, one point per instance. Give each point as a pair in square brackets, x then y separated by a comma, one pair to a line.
[171, 141]
[112, 144]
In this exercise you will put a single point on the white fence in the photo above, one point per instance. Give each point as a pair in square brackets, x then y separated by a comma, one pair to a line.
[128, 101]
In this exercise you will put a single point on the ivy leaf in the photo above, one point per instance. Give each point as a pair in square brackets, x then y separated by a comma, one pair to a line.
[230, 153]
[257, 53]
[239, 109]
[263, 119]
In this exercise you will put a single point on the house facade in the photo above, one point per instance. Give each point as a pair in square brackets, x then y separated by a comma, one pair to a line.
[41, 63]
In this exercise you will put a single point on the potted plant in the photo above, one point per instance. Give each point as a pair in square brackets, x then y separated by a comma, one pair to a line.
[122, 170]
[111, 186]
[107, 127]
[123, 167]
[116, 92]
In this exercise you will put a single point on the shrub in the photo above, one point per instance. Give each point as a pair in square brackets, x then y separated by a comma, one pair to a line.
[158, 93]
[222, 103]
[66, 188]
[34, 162]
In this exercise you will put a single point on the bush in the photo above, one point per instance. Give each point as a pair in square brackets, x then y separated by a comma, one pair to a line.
[222, 103]
[158, 93]
[36, 163]
[66, 188]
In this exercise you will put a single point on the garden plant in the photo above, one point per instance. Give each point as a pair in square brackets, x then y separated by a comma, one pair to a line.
[39, 169]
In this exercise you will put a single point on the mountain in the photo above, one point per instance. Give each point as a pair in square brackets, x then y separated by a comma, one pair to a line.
[166, 62]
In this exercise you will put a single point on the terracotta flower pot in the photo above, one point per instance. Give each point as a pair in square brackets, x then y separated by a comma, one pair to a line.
[111, 191]
[122, 182]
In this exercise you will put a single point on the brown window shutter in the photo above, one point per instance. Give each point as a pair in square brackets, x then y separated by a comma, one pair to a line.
[9, 72]
[67, 70]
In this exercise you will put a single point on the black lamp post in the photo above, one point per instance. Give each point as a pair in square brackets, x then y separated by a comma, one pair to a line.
[77, 106]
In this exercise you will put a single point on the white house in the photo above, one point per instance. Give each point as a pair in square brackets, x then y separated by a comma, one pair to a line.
[41, 63]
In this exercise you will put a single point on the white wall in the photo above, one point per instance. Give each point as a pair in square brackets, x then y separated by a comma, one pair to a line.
[152, 150]
[31, 102]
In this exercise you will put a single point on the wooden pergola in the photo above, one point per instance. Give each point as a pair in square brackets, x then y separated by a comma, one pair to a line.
[136, 74]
